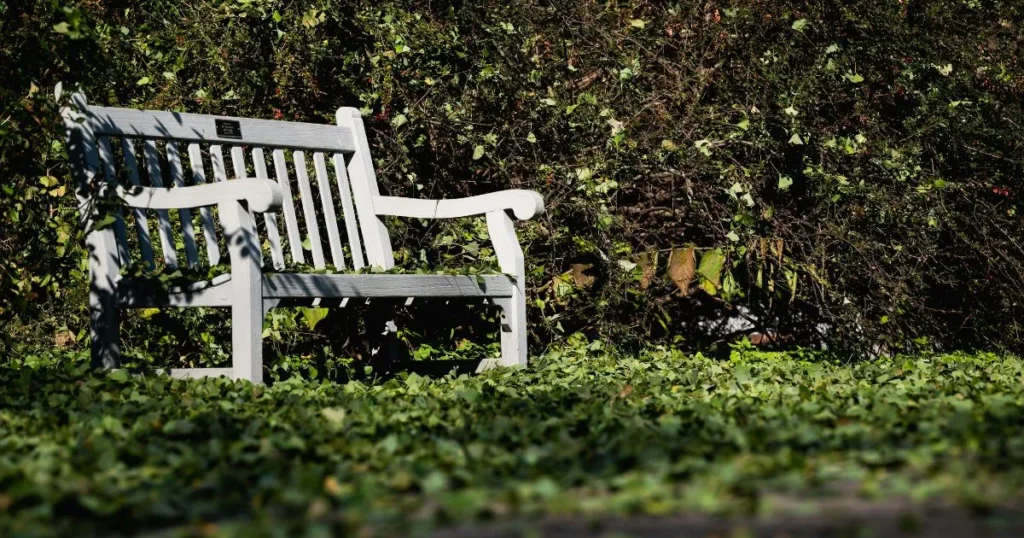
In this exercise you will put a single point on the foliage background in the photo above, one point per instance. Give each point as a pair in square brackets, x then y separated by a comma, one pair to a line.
[851, 164]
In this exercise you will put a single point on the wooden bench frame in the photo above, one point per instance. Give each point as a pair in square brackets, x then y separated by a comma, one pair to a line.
[248, 290]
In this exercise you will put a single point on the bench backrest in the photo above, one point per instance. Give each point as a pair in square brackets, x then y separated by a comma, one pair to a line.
[157, 149]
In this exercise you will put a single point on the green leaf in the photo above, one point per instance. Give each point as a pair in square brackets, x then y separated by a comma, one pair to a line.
[637, 23]
[853, 77]
[710, 270]
[531, 138]
[785, 182]
[313, 316]
[478, 152]
[796, 140]
[61, 28]
[143, 81]
[800, 24]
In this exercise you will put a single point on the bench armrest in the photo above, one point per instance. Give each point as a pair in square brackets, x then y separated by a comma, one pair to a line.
[523, 203]
[261, 195]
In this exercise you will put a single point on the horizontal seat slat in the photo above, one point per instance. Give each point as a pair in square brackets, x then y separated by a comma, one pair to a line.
[197, 373]
[202, 128]
[217, 292]
[294, 286]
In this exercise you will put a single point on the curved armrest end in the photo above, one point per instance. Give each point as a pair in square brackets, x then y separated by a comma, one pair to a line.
[264, 196]
[523, 203]
[526, 204]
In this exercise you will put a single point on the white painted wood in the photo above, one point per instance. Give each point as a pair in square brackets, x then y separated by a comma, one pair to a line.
[201, 128]
[330, 218]
[288, 207]
[510, 258]
[106, 155]
[162, 217]
[141, 294]
[101, 243]
[525, 204]
[246, 290]
[178, 177]
[195, 157]
[217, 161]
[198, 373]
[299, 286]
[308, 209]
[259, 163]
[364, 187]
[238, 166]
[131, 165]
[355, 244]
[488, 364]
[238, 162]
[260, 195]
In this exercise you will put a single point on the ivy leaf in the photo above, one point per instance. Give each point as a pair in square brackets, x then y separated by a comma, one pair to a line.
[853, 77]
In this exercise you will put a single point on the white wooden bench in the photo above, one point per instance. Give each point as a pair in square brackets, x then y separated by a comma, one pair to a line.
[182, 168]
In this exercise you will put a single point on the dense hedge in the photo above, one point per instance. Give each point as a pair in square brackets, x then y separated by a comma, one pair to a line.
[852, 163]
[585, 432]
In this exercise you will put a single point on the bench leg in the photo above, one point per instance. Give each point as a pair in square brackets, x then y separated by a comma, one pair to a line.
[105, 320]
[513, 330]
[246, 292]
[105, 330]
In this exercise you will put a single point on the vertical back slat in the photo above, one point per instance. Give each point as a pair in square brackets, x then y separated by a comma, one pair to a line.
[259, 163]
[120, 233]
[308, 210]
[217, 160]
[131, 165]
[351, 224]
[288, 207]
[364, 187]
[238, 162]
[330, 218]
[178, 177]
[238, 167]
[162, 217]
[195, 158]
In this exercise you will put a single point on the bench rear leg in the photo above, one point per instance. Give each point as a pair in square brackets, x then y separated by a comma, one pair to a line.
[105, 330]
[513, 330]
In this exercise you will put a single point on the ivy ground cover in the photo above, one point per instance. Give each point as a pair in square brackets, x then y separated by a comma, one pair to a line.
[585, 433]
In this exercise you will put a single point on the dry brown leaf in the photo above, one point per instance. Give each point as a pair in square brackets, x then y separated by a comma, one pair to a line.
[579, 276]
[682, 266]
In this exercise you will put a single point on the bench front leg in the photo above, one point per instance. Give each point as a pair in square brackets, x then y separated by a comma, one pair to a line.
[246, 291]
[105, 318]
[513, 309]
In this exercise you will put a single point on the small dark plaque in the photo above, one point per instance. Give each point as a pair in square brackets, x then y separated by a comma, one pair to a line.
[228, 129]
